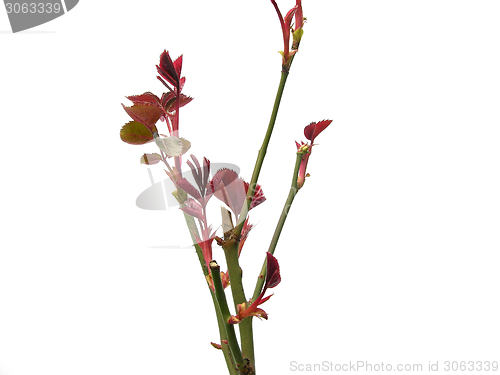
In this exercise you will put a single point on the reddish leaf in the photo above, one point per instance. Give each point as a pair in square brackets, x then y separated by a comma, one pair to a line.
[146, 98]
[244, 234]
[198, 167]
[188, 188]
[192, 208]
[145, 114]
[258, 195]
[262, 300]
[216, 346]
[150, 159]
[197, 174]
[178, 65]
[135, 133]
[168, 100]
[194, 172]
[206, 171]
[214, 183]
[312, 130]
[231, 190]
[273, 277]
[185, 100]
[182, 81]
[169, 70]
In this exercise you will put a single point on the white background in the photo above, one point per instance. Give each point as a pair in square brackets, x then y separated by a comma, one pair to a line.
[391, 251]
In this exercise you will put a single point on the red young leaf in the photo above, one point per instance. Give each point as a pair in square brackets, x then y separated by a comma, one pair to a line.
[273, 277]
[169, 70]
[135, 133]
[146, 98]
[168, 100]
[185, 100]
[178, 65]
[244, 234]
[258, 195]
[182, 81]
[145, 114]
[312, 130]
[216, 346]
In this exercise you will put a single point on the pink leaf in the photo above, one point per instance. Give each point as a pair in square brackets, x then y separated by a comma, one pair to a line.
[150, 159]
[231, 191]
[188, 188]
[192, 208]
[206, 171]
[195, 172]
[214, 183]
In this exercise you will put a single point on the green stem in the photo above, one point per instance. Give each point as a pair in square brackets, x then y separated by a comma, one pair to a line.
[231, 252]
[222, 332]
[274, 241]
[246, 337]
[235, 277]
[225, 314]
[284, 213]
[246, 329]
[262, 153]
[223, 337]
